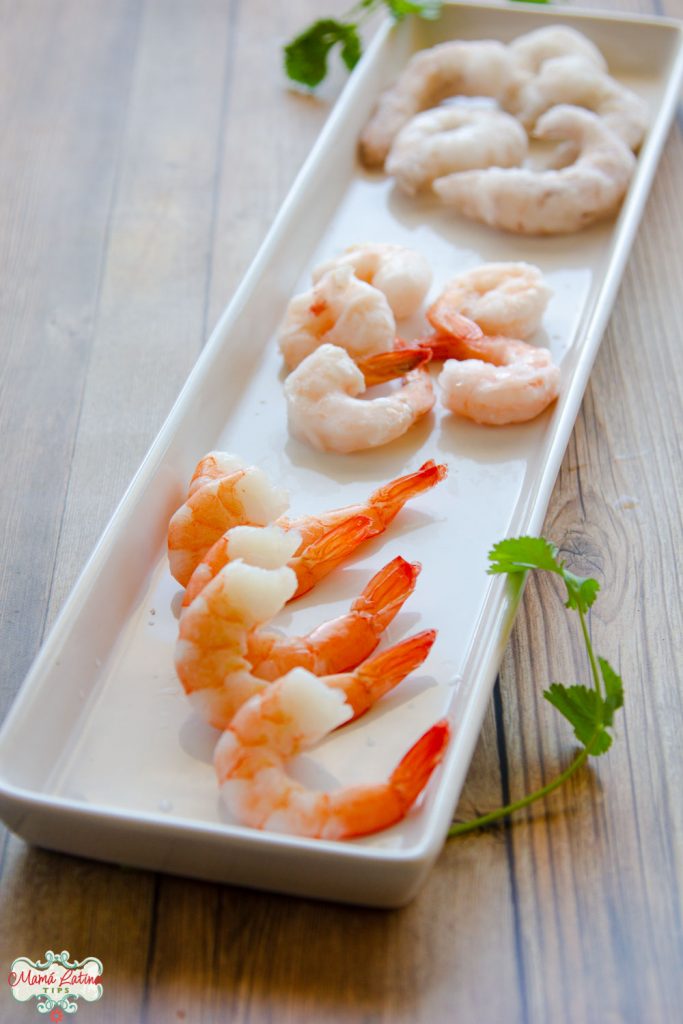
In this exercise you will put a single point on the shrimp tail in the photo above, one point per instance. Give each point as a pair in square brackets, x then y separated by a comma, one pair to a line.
[412, 773]
[386, 366]
[388, 500]
[386, 592]
[381, 673]
[319, 558]
[442, 346]
[446, 320]
[365, 809]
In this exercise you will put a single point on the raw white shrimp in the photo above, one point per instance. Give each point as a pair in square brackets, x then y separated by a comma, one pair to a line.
[323, 407]
[531, 50]
[552, 201]
[339, 309]
[291, 716]
[574, 80]
[460, 68]
[499, 380]
[401, 274]
[502, 298]
[455, 138]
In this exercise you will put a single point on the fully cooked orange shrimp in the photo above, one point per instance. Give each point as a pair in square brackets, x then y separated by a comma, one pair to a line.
[501, 298]
[401, 274]
[340, 310]
[326, 539]
[461, 68]
[342, 643]
[325, 410]
[218, 638]
[293, 715]
[496, 381]
[217, 502]
[310, 562]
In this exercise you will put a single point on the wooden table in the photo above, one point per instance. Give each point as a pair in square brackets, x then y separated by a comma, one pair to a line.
[146, 147]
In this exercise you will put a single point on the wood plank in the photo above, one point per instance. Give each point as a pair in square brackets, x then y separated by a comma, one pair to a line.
[62, 123]
[598, 878]
[149, 314]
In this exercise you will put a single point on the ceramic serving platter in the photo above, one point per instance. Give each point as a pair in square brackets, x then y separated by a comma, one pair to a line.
[102, 754]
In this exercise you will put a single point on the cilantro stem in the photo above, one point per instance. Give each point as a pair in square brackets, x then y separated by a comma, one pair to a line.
[460, 828]
[589, 650]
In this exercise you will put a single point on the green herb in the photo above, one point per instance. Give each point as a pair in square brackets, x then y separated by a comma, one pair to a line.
[306, 55]
[589, 709]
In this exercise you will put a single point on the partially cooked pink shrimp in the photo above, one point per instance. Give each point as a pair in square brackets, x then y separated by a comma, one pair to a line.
[326, 539]
[498, 380]
[291, 716]
[222, 660]
[325, 410]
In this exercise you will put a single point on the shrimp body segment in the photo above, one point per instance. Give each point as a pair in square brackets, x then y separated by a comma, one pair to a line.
[340, 310]
[502, 298]
[496, 381]
[290, 717]
[222, 660]
[456, 138]
[460, 68]
[533, 49]
[552, 201]
[401, 274]
[325, 410]
[572, 80]
[215, 504]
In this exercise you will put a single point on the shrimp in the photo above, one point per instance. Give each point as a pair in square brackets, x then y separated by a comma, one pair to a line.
[218, 638]
[573, 80]
[215, 503]
[531, 50]
[401, 274]
[326, 539]
[341, 310]
[292, 716]
[501, 298]
[323, 407]
[341, 643]
[552, 201]
[498, 381]
[472, 68]
[455, 138]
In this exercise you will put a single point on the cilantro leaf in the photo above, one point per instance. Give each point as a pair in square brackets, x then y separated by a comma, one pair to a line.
[581, 590]
[306, 56]
[584, 709]
[428, 9]
[519, 554]
[614, 691]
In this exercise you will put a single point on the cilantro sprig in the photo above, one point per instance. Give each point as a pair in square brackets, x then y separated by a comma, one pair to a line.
[589, 709]
[306, 55]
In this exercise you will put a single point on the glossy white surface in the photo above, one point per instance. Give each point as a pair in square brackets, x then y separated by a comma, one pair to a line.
[102, 754]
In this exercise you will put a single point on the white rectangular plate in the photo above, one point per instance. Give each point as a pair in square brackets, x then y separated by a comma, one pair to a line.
[101, 754]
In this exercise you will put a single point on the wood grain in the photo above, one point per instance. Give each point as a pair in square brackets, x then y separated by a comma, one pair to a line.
[147, 145]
